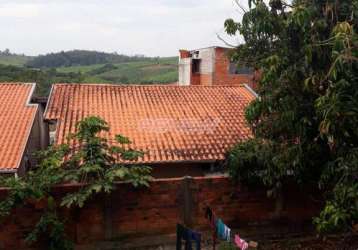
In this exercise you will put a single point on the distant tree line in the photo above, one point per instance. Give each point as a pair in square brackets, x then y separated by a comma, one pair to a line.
[7, 52]
[80, 57]
[43, 78]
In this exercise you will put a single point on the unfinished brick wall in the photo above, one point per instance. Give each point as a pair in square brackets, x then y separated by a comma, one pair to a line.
[222, 75]
[213, 69]
[129, 212]
[202, 79]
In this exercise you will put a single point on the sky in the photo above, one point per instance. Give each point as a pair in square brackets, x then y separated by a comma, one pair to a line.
[147, 27]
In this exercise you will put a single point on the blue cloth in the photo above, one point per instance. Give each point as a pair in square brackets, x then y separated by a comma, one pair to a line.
[196, 237]
[188, 236]
[222, 230]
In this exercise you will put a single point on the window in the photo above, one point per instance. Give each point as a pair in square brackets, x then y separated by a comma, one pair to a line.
[234, 69]
[196, 65]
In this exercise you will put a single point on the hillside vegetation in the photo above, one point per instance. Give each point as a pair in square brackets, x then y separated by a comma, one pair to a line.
[8, 58]
[83, 67]
[43, 78]
[79, 57]
[161, 70]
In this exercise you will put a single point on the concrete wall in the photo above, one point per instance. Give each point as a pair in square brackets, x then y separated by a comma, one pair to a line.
[207, 57]
[184, 71]
[206, 68]
[130, 213]
[38, 140]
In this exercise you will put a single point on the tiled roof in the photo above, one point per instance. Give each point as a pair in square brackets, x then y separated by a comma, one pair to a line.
[16, 119]
[169, 123]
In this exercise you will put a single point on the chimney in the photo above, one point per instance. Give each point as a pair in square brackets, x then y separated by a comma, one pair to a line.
[184, 53]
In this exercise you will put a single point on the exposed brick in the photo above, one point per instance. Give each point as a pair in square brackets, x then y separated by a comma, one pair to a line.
[156, 210]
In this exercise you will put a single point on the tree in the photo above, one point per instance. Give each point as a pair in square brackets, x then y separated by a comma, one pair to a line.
[305, 121]
[93, 164]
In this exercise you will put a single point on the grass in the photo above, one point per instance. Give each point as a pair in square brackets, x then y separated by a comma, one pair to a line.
[146, 71]
[82, 69]
[161, 70]
[14, 60]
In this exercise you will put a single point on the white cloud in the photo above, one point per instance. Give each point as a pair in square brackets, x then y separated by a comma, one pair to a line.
[159, 27]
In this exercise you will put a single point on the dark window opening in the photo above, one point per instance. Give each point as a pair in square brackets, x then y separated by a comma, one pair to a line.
[196, 65]
[234, 69]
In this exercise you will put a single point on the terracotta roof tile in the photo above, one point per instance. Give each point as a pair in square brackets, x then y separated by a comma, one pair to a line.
[16, 119]
[169, 123]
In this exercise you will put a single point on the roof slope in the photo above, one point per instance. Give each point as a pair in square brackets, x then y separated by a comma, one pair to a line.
[16, 119]
[169, 123]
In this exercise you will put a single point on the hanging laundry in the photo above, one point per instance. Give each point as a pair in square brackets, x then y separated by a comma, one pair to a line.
[241, 243]
[196, 237]
[181, 235]
[223, 231]
[228, 234]
[188, 236]
[220, 228]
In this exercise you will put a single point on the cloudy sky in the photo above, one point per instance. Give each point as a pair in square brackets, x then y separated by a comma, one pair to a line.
[149, 27]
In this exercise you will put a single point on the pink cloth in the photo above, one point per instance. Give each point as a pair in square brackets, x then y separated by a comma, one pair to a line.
[242, 244]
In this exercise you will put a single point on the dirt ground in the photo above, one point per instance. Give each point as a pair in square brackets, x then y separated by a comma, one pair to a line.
[304, 243]
[301, 242]
[313, 243]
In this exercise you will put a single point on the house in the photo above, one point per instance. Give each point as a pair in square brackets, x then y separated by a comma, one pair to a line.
[22, 131]
[183, 130]
[212, 66]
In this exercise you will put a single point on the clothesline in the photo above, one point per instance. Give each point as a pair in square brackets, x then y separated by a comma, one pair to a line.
[219, 230]
[224, 232]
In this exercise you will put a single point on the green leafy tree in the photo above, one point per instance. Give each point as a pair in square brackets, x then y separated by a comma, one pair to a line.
[93, 164]
[305, 121]
[97, 165]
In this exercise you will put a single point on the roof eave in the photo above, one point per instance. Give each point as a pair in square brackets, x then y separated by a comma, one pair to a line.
[8, 171]
[177, 162]
[48, 103]
[251, 90]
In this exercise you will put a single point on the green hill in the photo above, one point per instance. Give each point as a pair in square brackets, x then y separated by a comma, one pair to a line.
[159, 70]
[15, 60]
[136, 70]
[80, 57]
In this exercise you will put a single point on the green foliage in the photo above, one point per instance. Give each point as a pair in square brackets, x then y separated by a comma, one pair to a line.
[305, 119]
[79, 57]
[341, 210]
[146, 70]
[51, 230]
[37, 184]
[248, 160]
[43, 78]
[13, 59]
[93, 164]
[97, 165]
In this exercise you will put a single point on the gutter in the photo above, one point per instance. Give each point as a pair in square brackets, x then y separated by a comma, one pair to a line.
[8, 171]
[251, 90]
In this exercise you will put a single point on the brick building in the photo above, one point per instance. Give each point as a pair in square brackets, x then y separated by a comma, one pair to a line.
[212, 66]
[22, 129]
[183, 130]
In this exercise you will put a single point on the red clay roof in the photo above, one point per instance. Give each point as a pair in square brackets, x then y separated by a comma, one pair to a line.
[169, 123]
[16, 119]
